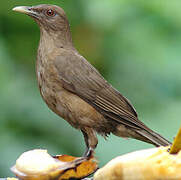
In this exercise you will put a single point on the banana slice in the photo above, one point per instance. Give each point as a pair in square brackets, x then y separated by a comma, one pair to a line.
[149, 164]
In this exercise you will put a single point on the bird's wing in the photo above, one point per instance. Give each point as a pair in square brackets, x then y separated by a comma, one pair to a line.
[82, 79]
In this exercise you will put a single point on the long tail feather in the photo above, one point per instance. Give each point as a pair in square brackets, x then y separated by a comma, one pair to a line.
[153, 138]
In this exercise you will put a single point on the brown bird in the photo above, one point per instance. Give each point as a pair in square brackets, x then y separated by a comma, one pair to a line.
[75, 90]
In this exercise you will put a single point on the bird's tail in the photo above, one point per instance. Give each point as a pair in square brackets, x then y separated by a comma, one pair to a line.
[153, 138]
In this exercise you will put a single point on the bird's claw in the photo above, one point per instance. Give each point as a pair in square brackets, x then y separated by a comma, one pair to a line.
[88, 153]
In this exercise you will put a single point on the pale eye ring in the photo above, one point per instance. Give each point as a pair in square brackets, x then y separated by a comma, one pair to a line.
[50, 12]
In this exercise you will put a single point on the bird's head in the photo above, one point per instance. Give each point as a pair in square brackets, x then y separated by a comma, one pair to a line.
[49, 17]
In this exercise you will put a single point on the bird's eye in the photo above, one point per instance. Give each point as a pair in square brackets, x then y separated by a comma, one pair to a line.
[50, 12]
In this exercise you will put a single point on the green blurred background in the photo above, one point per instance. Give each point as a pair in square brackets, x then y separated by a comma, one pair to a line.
[136, 45]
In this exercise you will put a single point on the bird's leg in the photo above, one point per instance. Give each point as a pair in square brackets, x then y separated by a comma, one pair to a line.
[89, 150]
[90, 141]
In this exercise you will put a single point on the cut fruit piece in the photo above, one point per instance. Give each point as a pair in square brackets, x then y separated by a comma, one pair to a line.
[39, 165]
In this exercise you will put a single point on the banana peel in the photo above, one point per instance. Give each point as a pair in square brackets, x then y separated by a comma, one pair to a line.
[39, 165]
[176, 145]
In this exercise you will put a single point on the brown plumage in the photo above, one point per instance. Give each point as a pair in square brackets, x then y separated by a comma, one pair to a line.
[75, 90]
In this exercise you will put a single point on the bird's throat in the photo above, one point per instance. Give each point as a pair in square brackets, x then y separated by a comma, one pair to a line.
[58, 39]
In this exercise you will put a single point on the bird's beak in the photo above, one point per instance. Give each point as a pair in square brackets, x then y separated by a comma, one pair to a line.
[26, 10]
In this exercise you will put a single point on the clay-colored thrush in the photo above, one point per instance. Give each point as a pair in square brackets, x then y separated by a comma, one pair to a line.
[75, 90]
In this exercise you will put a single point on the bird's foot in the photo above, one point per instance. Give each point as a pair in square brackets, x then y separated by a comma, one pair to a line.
[88, 153]
[86, 157]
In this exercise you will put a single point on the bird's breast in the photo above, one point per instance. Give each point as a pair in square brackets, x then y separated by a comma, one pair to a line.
[64, 103]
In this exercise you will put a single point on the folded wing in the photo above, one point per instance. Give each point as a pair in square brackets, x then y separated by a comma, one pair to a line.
[82, 79]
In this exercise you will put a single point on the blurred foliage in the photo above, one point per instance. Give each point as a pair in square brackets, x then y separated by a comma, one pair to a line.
[136, 45]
